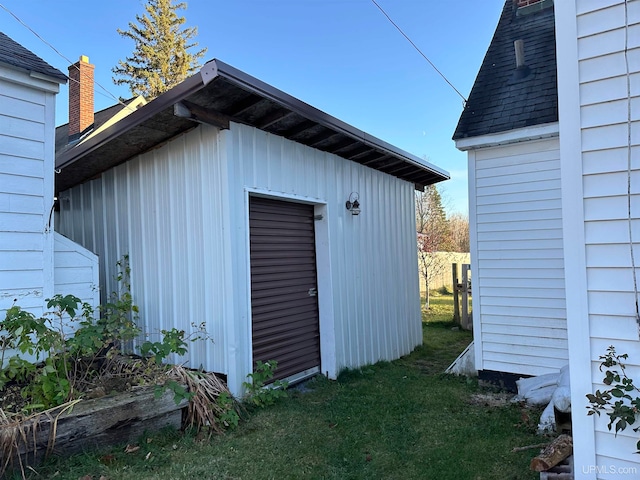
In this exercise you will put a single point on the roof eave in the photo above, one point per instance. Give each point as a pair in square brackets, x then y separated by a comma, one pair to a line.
[217, 69]
[536, 132]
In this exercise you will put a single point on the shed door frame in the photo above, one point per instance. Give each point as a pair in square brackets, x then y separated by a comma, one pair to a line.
[323, 271]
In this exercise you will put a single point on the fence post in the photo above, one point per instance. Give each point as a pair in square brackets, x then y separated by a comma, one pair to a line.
[465, 296]
[456, 302]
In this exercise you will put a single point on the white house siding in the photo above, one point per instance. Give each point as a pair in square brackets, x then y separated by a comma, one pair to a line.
[181, 213]
[76, 271]
[598, 121]
[26, 189]
[517, 258]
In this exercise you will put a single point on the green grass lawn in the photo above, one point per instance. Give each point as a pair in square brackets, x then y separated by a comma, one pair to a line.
[397, 420]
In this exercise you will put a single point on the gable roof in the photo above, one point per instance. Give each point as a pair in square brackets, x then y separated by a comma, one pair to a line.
[101, 119]
[504, 98]
[14, 54]
[218, 94]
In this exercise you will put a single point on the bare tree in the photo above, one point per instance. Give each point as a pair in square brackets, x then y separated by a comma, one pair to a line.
[459, 229]
[433, 234]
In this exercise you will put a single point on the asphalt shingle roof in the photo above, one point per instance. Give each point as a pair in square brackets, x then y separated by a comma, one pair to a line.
[501, 101]
[14, 54]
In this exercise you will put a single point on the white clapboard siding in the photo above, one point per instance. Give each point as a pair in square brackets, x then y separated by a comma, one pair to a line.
[519, 283]
[181, 214]
[605, 134]
[26, 189]
[75, 271]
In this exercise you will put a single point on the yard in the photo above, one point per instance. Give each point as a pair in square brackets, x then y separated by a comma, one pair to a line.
[403, 420]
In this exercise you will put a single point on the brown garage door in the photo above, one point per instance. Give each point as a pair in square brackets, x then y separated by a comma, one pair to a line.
[284, 302]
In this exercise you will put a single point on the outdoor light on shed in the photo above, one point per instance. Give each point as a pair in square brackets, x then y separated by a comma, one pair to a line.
[353, 205]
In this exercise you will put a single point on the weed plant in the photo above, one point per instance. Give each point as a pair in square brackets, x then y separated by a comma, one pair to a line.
[392, 420]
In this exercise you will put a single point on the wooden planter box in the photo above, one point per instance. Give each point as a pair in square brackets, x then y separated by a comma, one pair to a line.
[99, 422]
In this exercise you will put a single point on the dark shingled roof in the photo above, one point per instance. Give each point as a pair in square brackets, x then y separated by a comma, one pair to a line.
[14, 54]
[501, 101]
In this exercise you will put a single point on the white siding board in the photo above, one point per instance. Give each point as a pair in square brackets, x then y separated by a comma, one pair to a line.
[520, 206]
[524, 331]
[516, 361]
[511, 318]
[523, 264]
[533, 186]
[600, 21]
[517, 291]
[529, 341]
[605, 90]
[529, 312]
[21, 185]
[524, 152]
[532, 225]
[517, 178]
[512, 215]
[520, 254]
[20, 128]
[517, 235]
[549, 161]
[21, 241]
[605, 66]
[522, 283]
[613, 328]
[514, 273]
[611, 279]
[611, 231]
[523, 302]
[20, 222]
[604, 137]
[25, 204]
[14, 105]
[612, 303]
[611, 208]
[518, 197]
[75, 271]
[611, 112]
[614, 160]
[588, 6]
[524, 244]
[613, 255]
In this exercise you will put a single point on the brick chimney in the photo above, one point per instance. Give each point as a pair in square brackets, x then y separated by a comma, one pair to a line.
[523, 7]
[80, 97]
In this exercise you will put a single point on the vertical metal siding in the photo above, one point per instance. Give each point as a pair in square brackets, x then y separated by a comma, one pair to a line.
[187, 233]
[373, 255]
[163, 210]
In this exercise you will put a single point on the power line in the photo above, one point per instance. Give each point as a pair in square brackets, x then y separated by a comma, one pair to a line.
[109, 94]
[418, 50]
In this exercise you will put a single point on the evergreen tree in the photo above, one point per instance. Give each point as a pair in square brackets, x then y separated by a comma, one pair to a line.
[161, 57]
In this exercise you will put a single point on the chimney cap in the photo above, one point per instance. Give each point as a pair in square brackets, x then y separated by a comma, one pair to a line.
[84, 58]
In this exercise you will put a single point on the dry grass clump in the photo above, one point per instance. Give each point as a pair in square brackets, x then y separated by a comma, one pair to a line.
[212, 407]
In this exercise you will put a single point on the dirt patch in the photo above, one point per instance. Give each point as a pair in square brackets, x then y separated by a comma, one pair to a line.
[498, 399]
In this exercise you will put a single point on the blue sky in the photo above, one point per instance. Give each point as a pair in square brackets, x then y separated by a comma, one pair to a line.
[341, 56]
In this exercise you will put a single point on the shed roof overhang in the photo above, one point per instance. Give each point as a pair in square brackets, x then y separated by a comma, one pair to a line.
[220, 94]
